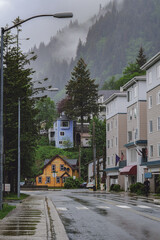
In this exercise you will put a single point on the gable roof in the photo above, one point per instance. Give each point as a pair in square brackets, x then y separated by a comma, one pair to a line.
[71, 162]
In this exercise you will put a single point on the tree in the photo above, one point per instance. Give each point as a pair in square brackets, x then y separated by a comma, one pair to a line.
[141, 58]
[17, 84]
[82, 94]
[46, 111]
[100, 142]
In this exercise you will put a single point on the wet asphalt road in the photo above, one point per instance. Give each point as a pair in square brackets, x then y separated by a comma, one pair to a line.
[93, 216]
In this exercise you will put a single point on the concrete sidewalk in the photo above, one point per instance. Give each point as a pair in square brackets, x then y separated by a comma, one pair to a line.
[35, 218]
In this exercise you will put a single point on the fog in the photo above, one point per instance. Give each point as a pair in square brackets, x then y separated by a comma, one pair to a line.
[42, 29]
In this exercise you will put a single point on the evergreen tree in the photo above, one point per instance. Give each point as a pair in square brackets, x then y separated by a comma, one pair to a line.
[82, 94]
[17, 84]
[141, 58]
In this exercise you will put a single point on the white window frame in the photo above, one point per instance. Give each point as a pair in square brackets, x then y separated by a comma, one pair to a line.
[150, 126]
[60, 142]
[150, 102]
[158, 98]
[64, 121]
[108, 127]
[61, 133]
[53, 167]
[130, 114]
[108, 143]
[158, 72]
[135, 112]
[108, 161]
[135, 91]
[158, 149]
[158, 124]
[150, 77]
[58, 179]
[151, 150]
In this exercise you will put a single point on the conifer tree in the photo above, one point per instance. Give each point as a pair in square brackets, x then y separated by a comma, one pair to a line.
[82, 94]
[17, 84]
[141, 58]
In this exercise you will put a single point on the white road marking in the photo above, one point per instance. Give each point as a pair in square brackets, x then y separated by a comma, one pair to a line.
[102, 207]
[81, 208]
[122, 206]
[61, 209]
[143, 206]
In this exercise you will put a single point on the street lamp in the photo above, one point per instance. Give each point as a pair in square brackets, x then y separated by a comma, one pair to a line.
[3, 30]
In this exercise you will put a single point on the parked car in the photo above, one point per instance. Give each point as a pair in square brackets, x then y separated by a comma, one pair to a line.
[22, 184]
[83, 185]
[90, 185]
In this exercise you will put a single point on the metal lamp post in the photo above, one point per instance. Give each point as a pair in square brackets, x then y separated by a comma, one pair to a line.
[3, 30]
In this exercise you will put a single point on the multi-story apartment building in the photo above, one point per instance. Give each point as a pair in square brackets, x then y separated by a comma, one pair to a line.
[136, 145]
[152, 68]
[116, 137]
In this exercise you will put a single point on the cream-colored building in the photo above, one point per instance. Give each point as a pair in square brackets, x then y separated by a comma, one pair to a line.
[136, 145]
[152, 68]
[116, 137]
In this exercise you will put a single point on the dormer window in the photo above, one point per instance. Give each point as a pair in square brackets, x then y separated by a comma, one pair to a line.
[65, 124]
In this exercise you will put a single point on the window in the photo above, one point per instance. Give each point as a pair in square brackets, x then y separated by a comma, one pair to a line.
[136, 133]
[51, 134]
[60, 142]
[61, 133]
[64, 179]
[108, 160]
[107, 110]
[149, 77]
[158, 71]
[150, 102]
[57, 179]
[40, 180]
[158, 148]
[158, 124]
[65, 124]
[151, 150]
[129, 136]
[129, 96]
[108, 143]
[116, 141]
[150, 126]
[48, 179]
[111, 125]
[130, 114]
[135, 112]
[108, 127]
[116, 123]
[158, 98]
[53, 168]
[111, 143]
[112, 160]
[135, 91]
[62, 167]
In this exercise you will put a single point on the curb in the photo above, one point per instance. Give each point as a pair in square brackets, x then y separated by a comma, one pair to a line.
[56, 225]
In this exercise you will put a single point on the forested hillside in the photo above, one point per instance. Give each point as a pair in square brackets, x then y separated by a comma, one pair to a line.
[113, 41]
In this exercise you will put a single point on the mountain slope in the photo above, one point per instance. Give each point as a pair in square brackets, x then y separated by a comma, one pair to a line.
[113, 39]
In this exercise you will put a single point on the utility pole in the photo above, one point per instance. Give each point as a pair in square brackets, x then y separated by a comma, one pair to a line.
[94, 157]
[80, 160]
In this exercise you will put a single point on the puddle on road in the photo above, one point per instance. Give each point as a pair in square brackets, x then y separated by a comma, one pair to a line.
[101, 211]
[19, 233]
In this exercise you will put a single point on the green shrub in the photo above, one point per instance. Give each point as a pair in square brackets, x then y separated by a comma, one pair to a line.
[72, 183]
[137, 188]
[115, 187]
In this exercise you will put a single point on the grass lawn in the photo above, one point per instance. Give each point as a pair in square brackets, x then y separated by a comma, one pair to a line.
[13, 196]
[6, 209]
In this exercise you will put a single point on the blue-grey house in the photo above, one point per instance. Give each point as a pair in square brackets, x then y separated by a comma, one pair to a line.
[63, 128]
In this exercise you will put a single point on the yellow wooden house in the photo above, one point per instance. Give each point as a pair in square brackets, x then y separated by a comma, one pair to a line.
[56, 170]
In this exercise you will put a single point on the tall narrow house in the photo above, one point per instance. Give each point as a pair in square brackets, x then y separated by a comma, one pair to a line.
[152, 68]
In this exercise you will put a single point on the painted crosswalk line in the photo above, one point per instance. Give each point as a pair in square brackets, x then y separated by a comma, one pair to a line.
[103, 207]
[81, 208]
[122, 206]
[61, 209]
[143, 206]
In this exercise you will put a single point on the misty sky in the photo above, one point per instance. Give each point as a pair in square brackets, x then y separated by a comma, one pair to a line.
[42, 29]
